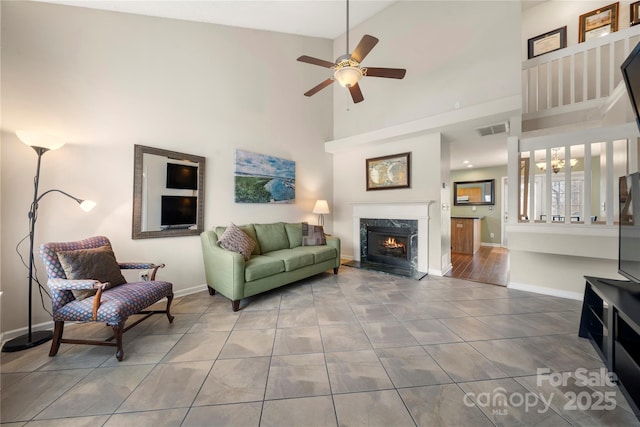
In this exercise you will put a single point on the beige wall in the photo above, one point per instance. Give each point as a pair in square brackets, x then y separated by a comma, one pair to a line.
[105, 81]
[554, 259]
[558, 275]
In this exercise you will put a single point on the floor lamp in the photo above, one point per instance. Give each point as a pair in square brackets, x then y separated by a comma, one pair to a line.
[41, 143]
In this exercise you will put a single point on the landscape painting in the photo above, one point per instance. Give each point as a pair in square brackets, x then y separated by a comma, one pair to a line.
[264, 179]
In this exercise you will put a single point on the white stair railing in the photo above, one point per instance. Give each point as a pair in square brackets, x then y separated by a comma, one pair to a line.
[578, 75]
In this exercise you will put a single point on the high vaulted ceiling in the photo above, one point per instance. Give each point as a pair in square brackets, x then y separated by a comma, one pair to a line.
[315, 18]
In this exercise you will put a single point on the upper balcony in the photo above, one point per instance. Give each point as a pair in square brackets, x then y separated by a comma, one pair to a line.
[578, 135]
[579, 84]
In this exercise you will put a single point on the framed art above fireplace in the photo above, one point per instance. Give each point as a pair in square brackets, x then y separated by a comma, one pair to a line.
[389, 172]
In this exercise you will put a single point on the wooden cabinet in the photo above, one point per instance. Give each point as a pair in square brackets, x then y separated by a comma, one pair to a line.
[465, 235]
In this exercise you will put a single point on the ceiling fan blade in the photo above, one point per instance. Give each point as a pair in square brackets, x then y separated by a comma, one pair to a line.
[319, 87]
[391, 73]
[316, 61]
[356, 93]
[364, 47]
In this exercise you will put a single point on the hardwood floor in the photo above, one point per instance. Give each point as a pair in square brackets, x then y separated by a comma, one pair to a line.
[488, 265]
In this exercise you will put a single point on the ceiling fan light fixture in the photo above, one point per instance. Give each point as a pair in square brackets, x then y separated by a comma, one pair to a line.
[348, 76]
[347, 70]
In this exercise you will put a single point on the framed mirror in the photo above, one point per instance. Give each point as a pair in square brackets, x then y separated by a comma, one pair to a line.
[474, 192]
[168, 193]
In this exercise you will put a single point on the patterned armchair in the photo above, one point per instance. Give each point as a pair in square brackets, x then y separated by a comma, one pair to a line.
[107, 303]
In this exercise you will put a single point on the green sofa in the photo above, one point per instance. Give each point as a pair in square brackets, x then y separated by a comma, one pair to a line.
[278, 259]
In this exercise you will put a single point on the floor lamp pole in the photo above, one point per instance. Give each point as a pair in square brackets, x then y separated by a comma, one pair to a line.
[31, 339]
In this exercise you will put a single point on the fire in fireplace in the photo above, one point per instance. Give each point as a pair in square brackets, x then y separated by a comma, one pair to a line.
[393, 247]
[389, 245]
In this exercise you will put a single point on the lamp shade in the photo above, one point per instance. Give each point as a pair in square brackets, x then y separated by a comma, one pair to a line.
[321, 207]
[87, 205]
[39, 139]
[348, 76]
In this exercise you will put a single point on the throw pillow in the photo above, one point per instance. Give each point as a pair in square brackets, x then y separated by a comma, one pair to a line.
[96, 264]
[236, 240]
[312, 235]
[248, 230]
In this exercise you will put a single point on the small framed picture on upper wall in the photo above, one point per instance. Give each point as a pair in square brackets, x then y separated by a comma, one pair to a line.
[548, 42]
[598, 23]
[634, 13]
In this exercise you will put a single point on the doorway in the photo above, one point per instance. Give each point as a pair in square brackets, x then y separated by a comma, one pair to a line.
[490, 264]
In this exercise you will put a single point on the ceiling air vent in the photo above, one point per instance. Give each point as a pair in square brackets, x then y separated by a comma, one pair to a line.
[493, 129]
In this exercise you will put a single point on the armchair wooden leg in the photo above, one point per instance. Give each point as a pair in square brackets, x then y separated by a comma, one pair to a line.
[169, 316]
[335, 270]
[57, 336]
[235, 305]
[211, 290]
[117, 333]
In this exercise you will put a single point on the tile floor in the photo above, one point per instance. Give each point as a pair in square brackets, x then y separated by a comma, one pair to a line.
[359, 348]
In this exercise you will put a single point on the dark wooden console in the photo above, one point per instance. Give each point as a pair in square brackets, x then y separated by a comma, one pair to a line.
[611, 321]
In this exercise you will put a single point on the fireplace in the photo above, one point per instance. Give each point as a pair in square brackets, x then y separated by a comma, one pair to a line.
[402, 216]
[389, 245]
[389, 242]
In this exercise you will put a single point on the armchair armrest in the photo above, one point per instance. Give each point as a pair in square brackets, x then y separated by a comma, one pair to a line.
[141, 266]
[71, 285]
[58, 284]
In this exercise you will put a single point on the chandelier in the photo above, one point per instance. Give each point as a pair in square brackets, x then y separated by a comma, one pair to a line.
[556, 162]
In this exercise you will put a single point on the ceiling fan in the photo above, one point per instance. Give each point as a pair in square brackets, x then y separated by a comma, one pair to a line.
[347, 68]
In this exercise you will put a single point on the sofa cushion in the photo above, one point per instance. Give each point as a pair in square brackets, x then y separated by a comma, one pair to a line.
[320, 253]
[272, 237]
[294, 233]
[292, 258]
[249, 230]
[260, 266]
[236, 240]
[312, 235]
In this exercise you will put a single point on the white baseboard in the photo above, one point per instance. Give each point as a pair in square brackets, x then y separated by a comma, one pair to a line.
[495, 245]
[441, 273]
[546, 291]
[189, 291]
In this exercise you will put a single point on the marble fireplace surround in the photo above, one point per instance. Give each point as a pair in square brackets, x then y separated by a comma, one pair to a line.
[418, 211]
